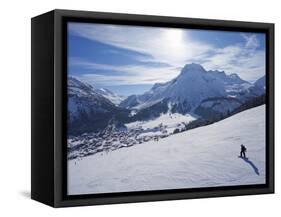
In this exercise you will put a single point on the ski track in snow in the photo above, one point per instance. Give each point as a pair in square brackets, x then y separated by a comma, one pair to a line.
[202, 157]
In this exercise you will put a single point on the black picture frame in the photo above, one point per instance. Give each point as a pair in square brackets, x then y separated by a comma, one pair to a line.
[49, 79]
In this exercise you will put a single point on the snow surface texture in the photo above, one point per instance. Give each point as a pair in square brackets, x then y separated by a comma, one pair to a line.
[202, 157]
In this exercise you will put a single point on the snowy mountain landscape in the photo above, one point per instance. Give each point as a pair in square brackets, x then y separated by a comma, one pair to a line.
[196, 87]
[153, 108]
[202, 157]
[195, 98]
[88, 110]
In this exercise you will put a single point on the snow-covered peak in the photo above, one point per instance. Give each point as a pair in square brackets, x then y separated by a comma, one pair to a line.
[104, 91]
[76, 87]
[157, 85]
[260, 82]
[234, 76]
[217, 72]
[113, 97]
[186, 91]
[82, 89]
[192, 68]
[74, 82]
[227, 79]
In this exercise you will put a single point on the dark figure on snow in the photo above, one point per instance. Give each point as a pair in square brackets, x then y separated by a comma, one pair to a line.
[243, 151]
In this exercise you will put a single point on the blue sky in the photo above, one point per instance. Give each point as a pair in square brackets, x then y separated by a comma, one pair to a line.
[130, 59]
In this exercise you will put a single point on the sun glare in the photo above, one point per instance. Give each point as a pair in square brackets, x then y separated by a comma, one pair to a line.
[174, 44]
[174, 35]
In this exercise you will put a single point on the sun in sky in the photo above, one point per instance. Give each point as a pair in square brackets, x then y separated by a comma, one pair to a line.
[122, 57]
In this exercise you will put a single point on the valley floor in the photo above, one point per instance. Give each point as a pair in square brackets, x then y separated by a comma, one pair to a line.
[202, 157]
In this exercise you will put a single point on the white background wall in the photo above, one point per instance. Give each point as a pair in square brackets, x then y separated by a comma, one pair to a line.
[15, 106]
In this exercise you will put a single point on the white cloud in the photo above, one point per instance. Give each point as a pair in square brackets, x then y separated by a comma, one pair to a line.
[131, 74]
[251, 41]
[249, 64]
[170, 45]
[176, 47]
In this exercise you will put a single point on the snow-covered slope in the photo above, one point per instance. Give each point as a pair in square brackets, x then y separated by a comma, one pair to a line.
[170, 121]
[112, 97]
[202, 157]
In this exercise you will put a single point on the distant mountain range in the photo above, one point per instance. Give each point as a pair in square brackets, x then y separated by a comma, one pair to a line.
[198, 91]
[112, 97]
[88, 109]
[194, 91]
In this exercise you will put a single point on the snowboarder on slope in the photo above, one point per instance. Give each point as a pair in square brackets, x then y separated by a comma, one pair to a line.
[243, 151]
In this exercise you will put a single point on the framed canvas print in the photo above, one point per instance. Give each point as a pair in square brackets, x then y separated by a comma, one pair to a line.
[131, 108]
